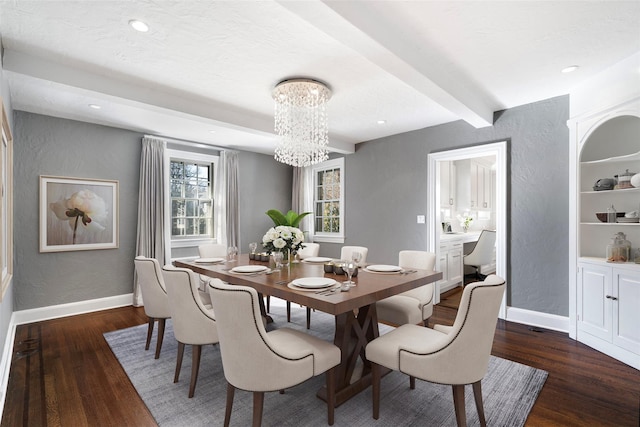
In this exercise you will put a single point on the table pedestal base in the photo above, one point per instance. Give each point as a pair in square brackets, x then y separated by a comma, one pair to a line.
[353, 332]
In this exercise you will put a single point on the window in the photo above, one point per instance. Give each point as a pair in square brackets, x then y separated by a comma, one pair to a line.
[192, 199]
[328, 190]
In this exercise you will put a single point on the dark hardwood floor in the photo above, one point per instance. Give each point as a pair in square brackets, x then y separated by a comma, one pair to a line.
[63, 373]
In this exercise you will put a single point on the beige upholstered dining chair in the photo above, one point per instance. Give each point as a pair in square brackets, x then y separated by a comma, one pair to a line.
[193, 322]
[212, 250]
[257, 361]
[346, 251]
[414, 306]
[482, 252]
[456, 355]
[154, 297]
[309, 250]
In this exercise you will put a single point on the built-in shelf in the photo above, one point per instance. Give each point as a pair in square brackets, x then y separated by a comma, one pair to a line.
[610, 192]
[627, 158]
[624, 224]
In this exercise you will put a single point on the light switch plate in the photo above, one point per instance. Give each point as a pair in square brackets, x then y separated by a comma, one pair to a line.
[421, 219]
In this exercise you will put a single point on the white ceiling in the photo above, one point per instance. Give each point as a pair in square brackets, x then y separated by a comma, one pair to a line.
[211, 65]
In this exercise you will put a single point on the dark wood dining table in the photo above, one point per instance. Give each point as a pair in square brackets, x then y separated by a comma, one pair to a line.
[356, 322]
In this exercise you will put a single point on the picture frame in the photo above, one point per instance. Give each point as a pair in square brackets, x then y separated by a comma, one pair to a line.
[78, 214]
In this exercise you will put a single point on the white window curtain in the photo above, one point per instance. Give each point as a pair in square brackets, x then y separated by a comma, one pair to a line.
[302, 199]
[151, 234]
[227, 212]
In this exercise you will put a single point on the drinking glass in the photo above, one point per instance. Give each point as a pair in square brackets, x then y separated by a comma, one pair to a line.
[252, 247]
[356, 257]
[232, 252]
[277, 259]
[349, 268]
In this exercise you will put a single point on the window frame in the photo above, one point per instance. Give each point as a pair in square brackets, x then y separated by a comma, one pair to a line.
[179, 155]
[328, 237]
[6, 204]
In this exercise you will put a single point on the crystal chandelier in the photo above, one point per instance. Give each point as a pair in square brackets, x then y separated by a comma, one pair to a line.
[301, 121]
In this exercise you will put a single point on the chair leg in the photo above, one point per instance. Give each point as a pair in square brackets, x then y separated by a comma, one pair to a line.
[288, 311]
[331, 394]
[176, 376]
[196, 351]
[149, 332]
[161, 324]
[375, 389]
[425, 322]
[458, 404]
[412, 383]
[477, 394]
[268, 303]
[258, 403]
[227, 411]
[308, 318]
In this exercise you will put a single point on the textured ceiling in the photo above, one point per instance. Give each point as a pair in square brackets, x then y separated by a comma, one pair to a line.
[211, 65]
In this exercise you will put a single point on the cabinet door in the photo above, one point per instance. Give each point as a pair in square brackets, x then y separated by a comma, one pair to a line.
[474, 175]
[447, 185]
[594, 308]
[489, 185]
[454, 263]
[626, 310]
[444, 268]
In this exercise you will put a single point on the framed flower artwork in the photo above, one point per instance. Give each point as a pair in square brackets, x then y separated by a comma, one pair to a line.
[78, 214]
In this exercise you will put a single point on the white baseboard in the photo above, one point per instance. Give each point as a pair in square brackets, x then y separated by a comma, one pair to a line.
[45, 313]
[71, 309]
[539, 319]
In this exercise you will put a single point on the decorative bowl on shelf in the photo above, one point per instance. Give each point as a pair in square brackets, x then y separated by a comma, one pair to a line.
[602, 216]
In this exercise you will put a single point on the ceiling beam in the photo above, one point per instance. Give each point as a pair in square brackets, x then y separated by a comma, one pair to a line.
[369, 34]
[146, 95]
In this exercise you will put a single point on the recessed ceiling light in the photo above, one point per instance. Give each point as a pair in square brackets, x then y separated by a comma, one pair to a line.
[95, 106]
[212, 131]
[382, 122]
[139, 26]
[570, 69]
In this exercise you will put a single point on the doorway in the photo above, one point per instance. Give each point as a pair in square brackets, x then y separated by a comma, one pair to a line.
[434, 224]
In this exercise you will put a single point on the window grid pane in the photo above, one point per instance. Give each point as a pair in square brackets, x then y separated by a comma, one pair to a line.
[191, 199]
[327, 211]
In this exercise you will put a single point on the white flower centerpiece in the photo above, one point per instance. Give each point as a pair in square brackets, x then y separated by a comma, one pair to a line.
[285, 236]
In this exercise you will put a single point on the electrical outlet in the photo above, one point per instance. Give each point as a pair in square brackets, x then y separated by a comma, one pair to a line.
[421, 219]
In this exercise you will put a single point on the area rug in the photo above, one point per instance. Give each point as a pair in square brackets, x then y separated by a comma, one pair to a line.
[509, 389]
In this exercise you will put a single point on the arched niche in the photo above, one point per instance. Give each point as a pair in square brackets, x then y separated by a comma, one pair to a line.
[615, 137]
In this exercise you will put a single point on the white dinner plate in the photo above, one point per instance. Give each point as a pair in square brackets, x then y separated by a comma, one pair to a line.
[317, 259]
[314, 282]
[249, 269]
[209, 260]
[325, 288]
[381, 268]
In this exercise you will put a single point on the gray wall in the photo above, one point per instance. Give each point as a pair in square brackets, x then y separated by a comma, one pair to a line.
[386, 187]
[51, 146]
[265, 184]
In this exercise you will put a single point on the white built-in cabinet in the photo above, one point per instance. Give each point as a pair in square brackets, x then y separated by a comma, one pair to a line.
[607, 295]
[475, 185]
[482, 185]
[609, 308]
[450, 257]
